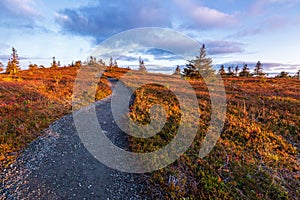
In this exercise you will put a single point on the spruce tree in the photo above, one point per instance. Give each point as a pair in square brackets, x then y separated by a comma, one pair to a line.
[142, 65]
[230, 72]
[258, 70]
[222, 71]
[245, 71]
[202, 64]
[282, 74]
[177, 70]
[13, 63]
[33, 66]
[236, 70]
[54, 63]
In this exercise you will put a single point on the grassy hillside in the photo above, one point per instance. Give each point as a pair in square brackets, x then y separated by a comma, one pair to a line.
[30, 102]
[256, 157]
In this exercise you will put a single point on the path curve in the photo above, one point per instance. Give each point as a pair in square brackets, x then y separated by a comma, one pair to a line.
[57, 166]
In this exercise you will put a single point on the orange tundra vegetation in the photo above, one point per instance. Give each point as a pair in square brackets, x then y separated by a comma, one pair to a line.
[30, 101]
[256, 157]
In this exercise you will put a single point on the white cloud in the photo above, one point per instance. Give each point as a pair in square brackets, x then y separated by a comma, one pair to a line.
[211, 17]
[203, 16]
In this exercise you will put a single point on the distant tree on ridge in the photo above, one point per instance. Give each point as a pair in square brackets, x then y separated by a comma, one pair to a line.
[282, 74]
[258, 70]
[236, 70]
[245, 71]
[54, 63]
[222, 71]
[230, 71]
[13, 63]
[33, 66]
[177, 71]
[142, 66]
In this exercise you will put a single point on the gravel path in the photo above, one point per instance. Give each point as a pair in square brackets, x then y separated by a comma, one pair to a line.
[57, 166]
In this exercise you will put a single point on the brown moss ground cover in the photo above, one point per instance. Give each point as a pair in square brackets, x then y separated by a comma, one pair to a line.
[30, 102]
[257, 155]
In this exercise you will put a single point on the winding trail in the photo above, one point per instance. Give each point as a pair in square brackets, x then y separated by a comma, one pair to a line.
[57, 165]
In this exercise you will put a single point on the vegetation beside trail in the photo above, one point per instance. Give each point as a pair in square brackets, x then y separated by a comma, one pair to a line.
[256, 157]
[30, 101]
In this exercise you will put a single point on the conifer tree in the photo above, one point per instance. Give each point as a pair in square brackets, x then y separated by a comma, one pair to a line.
[282, 74]
[230, 72]
[177, 70]
[111, 64]
[13, 63]
[101, 62]
[236, 70]
[142, 65]
[222, 71]
[245, 71]
[203, 64]
[258, 70]
[115, 63]
[33, 66]
[54, 63]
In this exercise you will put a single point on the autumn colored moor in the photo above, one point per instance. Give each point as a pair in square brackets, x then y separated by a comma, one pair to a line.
[256, 157]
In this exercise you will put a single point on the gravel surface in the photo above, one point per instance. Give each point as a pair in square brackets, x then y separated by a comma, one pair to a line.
[57, 166]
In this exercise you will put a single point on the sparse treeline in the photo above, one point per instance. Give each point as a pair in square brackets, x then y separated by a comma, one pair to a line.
[200, 66]
[13, 64]
[244, 72]
[257, 72]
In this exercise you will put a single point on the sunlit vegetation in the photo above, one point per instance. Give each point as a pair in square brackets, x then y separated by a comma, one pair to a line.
[30, 101]
[256, 156]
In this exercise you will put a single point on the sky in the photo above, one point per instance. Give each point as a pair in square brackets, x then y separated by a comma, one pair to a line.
[234, 31]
